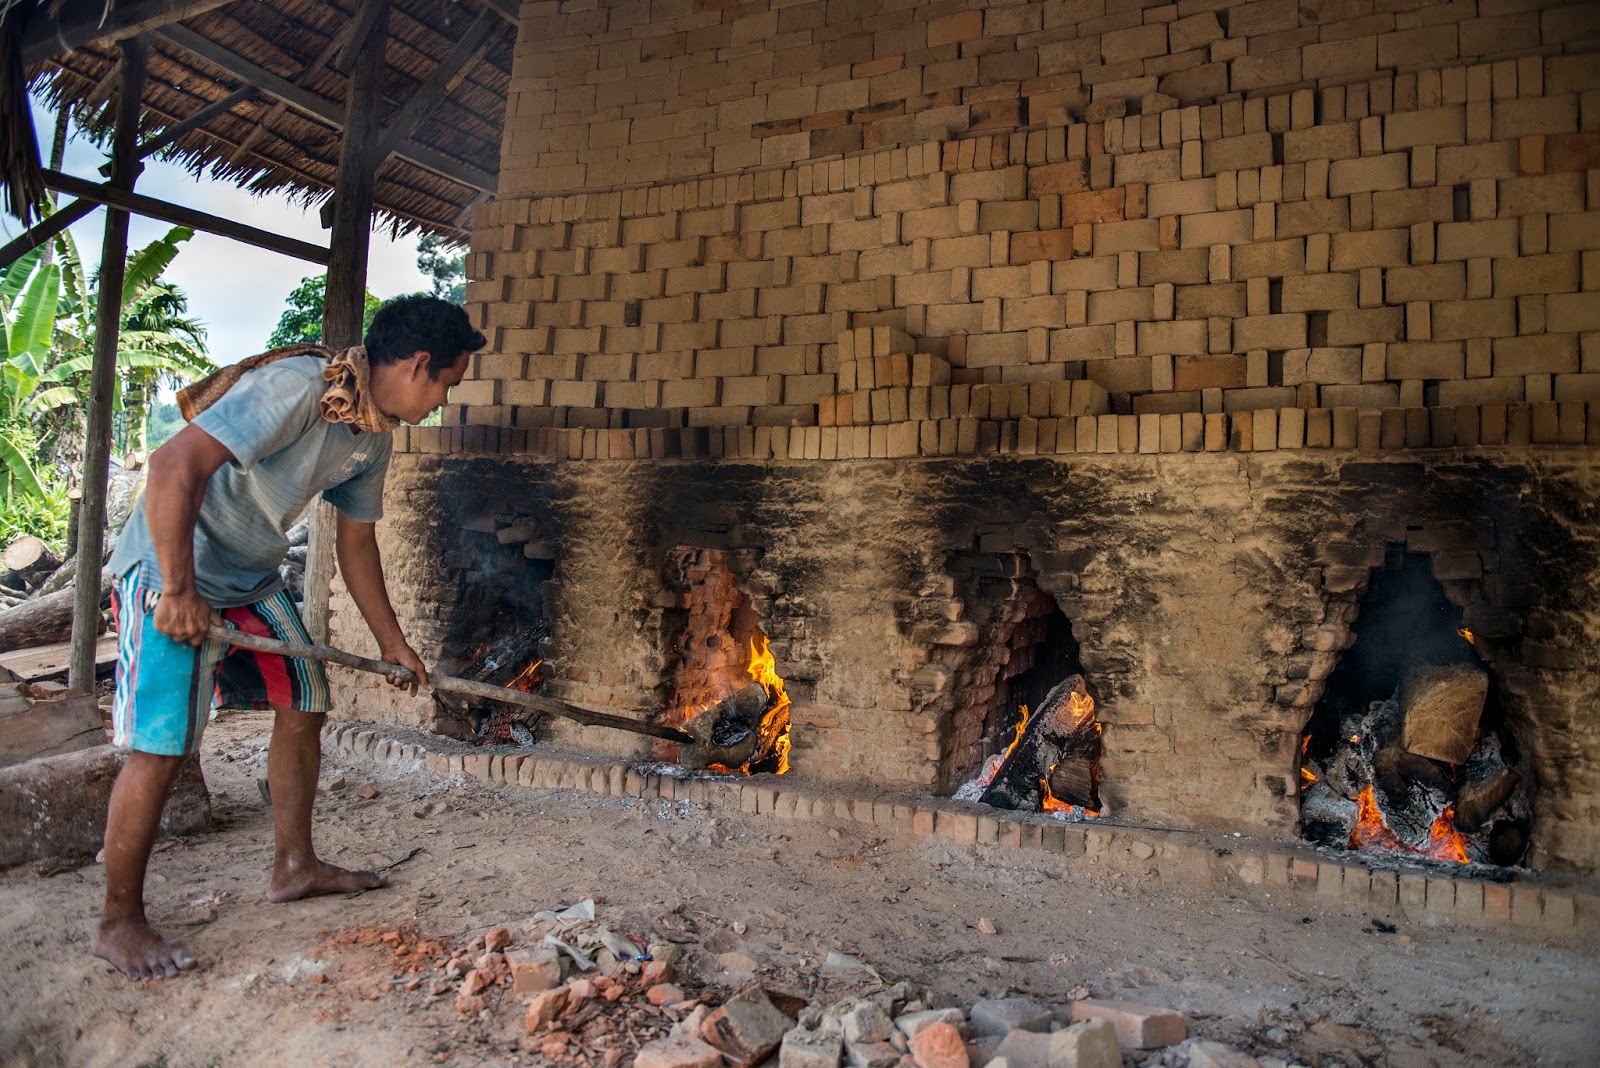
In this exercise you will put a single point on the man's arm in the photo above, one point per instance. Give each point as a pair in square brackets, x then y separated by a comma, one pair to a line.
[356, 544]
[174, 487]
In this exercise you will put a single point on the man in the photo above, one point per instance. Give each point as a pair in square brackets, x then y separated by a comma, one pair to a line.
[265, 437]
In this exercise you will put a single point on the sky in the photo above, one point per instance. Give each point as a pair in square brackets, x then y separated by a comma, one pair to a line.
[236, 290]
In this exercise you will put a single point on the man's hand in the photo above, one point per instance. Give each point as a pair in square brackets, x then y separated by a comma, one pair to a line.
[406, 657]
[185, 617]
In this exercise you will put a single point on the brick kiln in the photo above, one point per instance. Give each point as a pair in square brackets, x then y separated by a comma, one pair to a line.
[947, 351]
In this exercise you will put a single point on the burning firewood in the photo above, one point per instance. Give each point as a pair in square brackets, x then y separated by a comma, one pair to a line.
[511, 660]
[729, 732]
[1063, 736]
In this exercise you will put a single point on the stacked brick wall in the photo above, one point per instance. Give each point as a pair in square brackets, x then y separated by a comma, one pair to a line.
[1270, 224]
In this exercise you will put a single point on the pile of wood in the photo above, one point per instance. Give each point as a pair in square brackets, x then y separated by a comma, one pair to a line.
[36, 583]
[1415, 775]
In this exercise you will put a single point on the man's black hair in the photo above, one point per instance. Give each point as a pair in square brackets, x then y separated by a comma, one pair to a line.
[420, 323]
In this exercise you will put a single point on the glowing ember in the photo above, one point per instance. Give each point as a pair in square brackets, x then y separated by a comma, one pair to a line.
[1445, 842]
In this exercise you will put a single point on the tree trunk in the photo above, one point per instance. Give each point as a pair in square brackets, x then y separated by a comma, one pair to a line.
[42, 621]
[56, 806]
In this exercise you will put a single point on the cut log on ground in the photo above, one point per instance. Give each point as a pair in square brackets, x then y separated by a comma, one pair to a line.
[28, 561]
[1442, 706]
[55, 807]
[1062, 730]
[42, 621]
[31, 729]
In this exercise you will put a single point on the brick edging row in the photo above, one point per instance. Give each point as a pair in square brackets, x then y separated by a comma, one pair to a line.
[1559, 913]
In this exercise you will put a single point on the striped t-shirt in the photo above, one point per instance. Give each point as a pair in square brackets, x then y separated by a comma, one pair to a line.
[284, 454]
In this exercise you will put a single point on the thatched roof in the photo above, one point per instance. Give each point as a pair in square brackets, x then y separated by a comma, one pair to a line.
[265, 145]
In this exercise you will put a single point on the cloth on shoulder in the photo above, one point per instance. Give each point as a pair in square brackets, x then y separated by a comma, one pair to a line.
[348, 398]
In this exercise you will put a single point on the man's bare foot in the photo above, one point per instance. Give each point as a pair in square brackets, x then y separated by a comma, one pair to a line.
[138, 952]
[320, 878]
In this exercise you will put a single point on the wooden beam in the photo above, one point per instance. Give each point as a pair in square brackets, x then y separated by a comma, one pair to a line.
[103, 375]
[318, 107]
[69, 213]
[344, 306]
[510, 10]
[177, 130]
[94, 22]
[43, 231]
[465, 51]
[178, 215]
[360, 29]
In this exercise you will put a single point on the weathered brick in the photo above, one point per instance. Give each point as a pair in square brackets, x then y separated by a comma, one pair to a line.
[1191, 373]
[1536, 354]
[1571, 312]
[1270, 332]
[1364, 326]
[1304, 217]
[1374, 248]
[1426, 359]
[1329, 366]
[1275, 259]
[1237, 153]
[1319, 292]
[1434, 126]
[1137, 42]
[1458, 320]
[1546, 194]
[1369, 173]
[1535, 115]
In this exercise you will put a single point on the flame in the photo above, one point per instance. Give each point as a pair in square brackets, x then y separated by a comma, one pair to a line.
[529, 678]
[1370, 832]
[1467, 634]
[1307, 777]
[1444, 841]
[775, 721]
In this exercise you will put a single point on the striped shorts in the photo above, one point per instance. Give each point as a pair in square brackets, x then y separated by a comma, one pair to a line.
[166, 689]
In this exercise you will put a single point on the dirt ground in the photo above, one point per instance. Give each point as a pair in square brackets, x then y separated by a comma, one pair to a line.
[746, 896]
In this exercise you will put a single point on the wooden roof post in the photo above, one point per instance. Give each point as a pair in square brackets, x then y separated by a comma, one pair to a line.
[345, 307]
[103, 377]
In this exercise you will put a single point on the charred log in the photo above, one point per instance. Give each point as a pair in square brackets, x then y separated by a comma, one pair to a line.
[1508, 840]
[505, 661]
[729, 732]
[1486, 785]
[1062, 730]
[1326, 818]
[1410, 792]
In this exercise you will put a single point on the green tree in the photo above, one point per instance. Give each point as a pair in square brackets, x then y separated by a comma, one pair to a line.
[301, 321]
[48, 307]
[446, 265]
